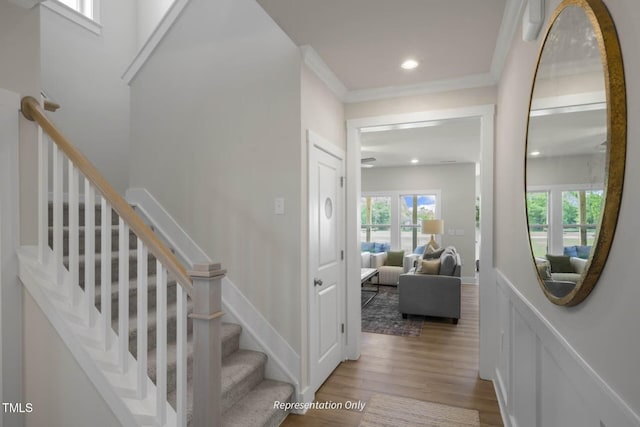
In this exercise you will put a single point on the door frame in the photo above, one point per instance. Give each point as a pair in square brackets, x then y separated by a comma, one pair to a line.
[313, 139]
[487, 282]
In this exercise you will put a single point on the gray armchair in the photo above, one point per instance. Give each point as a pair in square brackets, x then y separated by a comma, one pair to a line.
[431, 295]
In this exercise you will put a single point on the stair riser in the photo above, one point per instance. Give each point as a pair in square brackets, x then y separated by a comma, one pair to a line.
[244, 387]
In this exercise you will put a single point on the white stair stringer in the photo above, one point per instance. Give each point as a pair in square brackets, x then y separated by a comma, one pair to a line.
[118, 389]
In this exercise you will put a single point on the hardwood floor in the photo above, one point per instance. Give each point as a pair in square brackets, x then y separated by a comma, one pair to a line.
[441, 365]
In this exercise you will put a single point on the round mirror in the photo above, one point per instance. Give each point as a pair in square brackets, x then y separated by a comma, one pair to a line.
[575, 150]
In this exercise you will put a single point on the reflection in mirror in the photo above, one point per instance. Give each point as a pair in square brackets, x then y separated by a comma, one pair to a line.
[568, 153]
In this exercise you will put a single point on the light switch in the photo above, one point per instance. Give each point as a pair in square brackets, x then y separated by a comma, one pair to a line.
[278, 206]
[452, 232]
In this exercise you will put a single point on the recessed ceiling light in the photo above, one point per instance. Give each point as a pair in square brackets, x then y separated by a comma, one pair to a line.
[535, 153]
[409, 64]
[414, 161]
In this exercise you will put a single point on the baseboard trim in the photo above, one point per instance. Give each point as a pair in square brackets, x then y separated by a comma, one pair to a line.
[283, 362]
[599, 398]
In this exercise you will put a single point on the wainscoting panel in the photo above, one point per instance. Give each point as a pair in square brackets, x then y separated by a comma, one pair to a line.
[541, 380]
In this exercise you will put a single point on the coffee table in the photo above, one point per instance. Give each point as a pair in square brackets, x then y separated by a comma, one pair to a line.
[366, 274]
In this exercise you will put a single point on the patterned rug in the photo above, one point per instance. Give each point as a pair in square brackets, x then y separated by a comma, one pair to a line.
[392, 411]
[381, 315]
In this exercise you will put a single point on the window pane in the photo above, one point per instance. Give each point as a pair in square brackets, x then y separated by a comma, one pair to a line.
[413, 209]
[375, 216]
[537, 213]
[85, 7]
[581, 211]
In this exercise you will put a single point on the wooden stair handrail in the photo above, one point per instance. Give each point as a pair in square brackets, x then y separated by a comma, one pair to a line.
[32, 110]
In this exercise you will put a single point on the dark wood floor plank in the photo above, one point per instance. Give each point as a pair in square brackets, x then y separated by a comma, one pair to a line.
[441, 366]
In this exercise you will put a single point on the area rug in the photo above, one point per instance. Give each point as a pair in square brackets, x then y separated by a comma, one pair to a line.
[381, 315]
[384, 410]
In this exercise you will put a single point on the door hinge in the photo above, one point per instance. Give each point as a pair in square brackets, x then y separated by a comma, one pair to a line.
[341, 255]
[341, 181]
[342, 328]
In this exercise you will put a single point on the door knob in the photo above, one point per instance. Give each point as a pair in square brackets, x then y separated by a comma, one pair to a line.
[317, 282]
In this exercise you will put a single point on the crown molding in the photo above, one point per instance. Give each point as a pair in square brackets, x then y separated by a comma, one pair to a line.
[167, 21]
[315, 62]
[466, 82]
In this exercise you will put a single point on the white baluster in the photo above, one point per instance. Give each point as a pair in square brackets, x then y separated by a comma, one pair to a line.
[181, 357]
[105, 270]
[123, 294]
[43, 196]
[73, 233]
[142, 319]
[58, 250]
[161, 343]
[89, 251]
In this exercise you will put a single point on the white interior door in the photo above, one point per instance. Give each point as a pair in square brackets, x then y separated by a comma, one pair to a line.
[326, 258]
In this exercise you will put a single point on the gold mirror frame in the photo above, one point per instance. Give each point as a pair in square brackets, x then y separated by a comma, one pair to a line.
[611, 55]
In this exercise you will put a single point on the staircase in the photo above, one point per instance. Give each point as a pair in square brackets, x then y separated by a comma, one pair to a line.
[247, 396]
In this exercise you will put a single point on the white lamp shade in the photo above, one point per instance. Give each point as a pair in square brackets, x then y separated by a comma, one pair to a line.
[433, 226]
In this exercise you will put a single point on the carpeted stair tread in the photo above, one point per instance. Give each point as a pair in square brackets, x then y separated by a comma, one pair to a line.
[256, 408]
[241, 371]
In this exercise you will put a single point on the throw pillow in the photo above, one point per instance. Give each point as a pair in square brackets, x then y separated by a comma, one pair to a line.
[394, 258]
[560, 264]
[367, 246]
[583, 252]
[381, 247]
[570, 251]
[447, 264]
[431, 266]
[433, 255]
[419, 250]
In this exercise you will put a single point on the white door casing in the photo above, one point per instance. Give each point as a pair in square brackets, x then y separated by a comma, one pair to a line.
[326, 265]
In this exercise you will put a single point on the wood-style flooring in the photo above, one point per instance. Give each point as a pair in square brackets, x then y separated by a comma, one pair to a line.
[441, 365]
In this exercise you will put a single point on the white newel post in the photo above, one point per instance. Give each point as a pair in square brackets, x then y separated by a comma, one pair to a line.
[207, 352]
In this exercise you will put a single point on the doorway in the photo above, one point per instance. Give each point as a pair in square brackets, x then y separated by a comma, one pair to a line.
[354, 187]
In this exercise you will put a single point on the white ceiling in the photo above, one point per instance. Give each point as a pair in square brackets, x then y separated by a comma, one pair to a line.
[439, 142]
[357, 47]
[363, 42]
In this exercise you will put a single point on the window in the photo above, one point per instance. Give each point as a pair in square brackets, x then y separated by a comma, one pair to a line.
[375, 216]
[562, 216]
[85, 13]
[538, 214]
[85, 7]
[395, 217]
[580, 215]
[414, 208]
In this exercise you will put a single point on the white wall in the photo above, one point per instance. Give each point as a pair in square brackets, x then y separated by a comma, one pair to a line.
[216, 137]
[458, 186]
[583, 169]
[55, 384]
[323, 113]
[148, 14]
[603, 329]
[19, 73]
[82, 71]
